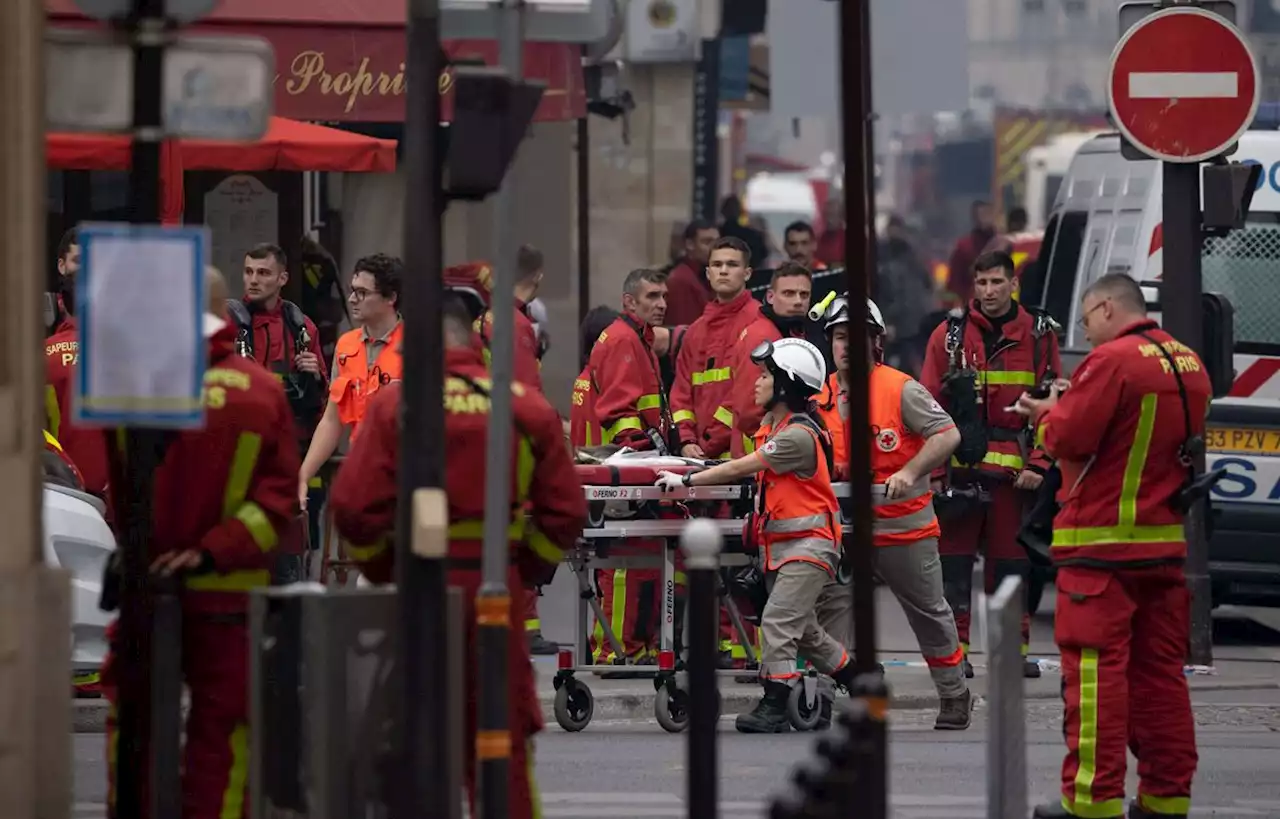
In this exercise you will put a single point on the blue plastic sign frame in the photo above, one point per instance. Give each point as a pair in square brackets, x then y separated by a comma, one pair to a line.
[188, 412]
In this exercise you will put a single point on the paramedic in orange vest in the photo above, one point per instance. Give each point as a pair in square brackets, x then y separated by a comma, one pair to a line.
[796, 524]
[911, 436]
[702, 394]
[543, 482]
[364, 360]
[1123, 434]
[1013, 349]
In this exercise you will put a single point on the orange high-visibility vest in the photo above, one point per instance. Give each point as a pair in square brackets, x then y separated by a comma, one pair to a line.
[357, 383]
[797, 518]
[828, 402]
[902, 520]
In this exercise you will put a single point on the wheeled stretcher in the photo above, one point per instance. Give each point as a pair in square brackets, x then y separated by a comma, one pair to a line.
[623, 504]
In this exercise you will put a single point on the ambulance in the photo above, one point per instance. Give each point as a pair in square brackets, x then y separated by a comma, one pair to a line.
[1106, 218]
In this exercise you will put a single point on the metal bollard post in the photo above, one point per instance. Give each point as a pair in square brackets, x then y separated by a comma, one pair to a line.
[1006, 727]
[702, 542]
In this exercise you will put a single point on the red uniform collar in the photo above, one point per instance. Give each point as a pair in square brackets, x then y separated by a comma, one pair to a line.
[222, 343]
[463, 357]
[641, 327]
[736, 305]
[1139, 326]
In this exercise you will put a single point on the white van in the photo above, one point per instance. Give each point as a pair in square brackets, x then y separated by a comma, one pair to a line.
[1107, 219]
[1047, 166]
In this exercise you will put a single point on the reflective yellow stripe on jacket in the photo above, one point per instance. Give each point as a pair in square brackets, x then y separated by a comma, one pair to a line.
[1127, 529]
[711, 376]
[254, 518]
[1001, 378]
[53, 413]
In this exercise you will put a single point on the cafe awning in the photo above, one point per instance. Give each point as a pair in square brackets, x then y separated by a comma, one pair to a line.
[287, 146]
[344, 60]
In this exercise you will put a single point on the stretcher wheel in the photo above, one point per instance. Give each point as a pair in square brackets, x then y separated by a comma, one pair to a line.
[671, 708]
[574, 705]
[802, 716]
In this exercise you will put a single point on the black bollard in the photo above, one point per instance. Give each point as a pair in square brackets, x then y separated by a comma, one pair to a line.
[701, 541]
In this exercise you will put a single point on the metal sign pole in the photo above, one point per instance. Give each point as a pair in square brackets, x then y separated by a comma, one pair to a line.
[142, 454]
[422, 509]
[493, 603]
[1182, 316]
[856, 109]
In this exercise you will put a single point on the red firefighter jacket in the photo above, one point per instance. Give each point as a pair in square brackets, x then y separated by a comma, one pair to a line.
[584, 426]
[230, 489]
[1117, 435]
[1008, 364]
[702, 395]
[746, 414]
[86, 448]
[688, 293]
[627, 383]
[543, 478]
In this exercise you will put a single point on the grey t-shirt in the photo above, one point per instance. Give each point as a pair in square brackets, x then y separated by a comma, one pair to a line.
[922, 413]
[791, 449]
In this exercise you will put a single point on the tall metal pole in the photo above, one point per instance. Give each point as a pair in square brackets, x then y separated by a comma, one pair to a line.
[860, 261]
[1182, 316]
[142, 454]
[493, 603]
[423, 790]
[584, 218]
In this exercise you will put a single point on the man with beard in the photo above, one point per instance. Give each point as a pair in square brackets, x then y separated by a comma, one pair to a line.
[801, 244]
[784, 315]
[968, 248]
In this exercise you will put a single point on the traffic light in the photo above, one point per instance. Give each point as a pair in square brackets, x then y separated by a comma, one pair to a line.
[490, 116]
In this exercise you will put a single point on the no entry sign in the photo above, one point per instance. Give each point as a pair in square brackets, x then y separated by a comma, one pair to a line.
[1183, 85]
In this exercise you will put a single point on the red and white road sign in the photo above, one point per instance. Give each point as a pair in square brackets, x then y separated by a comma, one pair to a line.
[1183, 85]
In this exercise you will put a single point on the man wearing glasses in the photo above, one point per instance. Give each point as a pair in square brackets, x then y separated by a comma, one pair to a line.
[364, 360]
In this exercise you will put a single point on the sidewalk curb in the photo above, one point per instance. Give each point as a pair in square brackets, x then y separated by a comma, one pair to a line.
[90, 716]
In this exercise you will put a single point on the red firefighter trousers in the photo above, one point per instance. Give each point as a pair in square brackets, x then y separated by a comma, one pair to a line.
[993, 528]
[215, 765]
[523, 711]
[1123, 638]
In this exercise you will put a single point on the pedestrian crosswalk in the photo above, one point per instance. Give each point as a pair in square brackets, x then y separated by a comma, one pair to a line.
[671, 806]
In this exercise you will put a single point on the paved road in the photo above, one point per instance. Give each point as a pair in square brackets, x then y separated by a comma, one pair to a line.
[633, 769]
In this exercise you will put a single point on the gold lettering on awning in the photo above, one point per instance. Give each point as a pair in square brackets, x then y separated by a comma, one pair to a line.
[307, 72]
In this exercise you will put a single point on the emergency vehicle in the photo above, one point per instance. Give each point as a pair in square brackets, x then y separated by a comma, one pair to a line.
[1107, 219]
[1047, 166]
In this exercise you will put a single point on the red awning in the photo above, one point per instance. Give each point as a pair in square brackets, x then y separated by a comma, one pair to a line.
[287, 146]
[328, 12]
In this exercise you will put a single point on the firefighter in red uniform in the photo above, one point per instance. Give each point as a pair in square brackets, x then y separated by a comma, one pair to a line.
[1009, 350]
[85, 447]
[473, 282]
[224, 496]
[364, 501]
[1124, 435]
[584, 426]
[702, 395]
[631, 410]
[784, 315]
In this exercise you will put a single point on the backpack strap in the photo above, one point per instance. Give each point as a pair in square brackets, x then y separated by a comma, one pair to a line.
[824, 437]
[295, 322]
[239, 312]
[957, 321]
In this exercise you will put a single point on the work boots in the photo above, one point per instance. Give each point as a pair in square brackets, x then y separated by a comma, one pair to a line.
[955, 713]
[1030, 669]
[967, 667]
[540, 646]
[1056, 810]
[770, 714]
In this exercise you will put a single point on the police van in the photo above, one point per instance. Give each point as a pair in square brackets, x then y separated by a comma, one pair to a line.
[1106, 218]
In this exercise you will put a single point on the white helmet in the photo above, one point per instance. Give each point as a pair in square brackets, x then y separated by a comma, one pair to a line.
[874, 317]
[801, 362]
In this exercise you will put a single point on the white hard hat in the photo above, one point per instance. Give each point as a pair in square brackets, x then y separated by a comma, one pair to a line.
[797, 359]
[874, 317]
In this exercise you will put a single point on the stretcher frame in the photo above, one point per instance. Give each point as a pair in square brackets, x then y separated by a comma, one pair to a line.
[573, 705]
[670, 703]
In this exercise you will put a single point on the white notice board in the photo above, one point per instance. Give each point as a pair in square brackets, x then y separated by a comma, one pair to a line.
[140, 300]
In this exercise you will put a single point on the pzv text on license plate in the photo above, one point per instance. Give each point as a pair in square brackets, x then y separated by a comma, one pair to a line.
[1251, 441]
